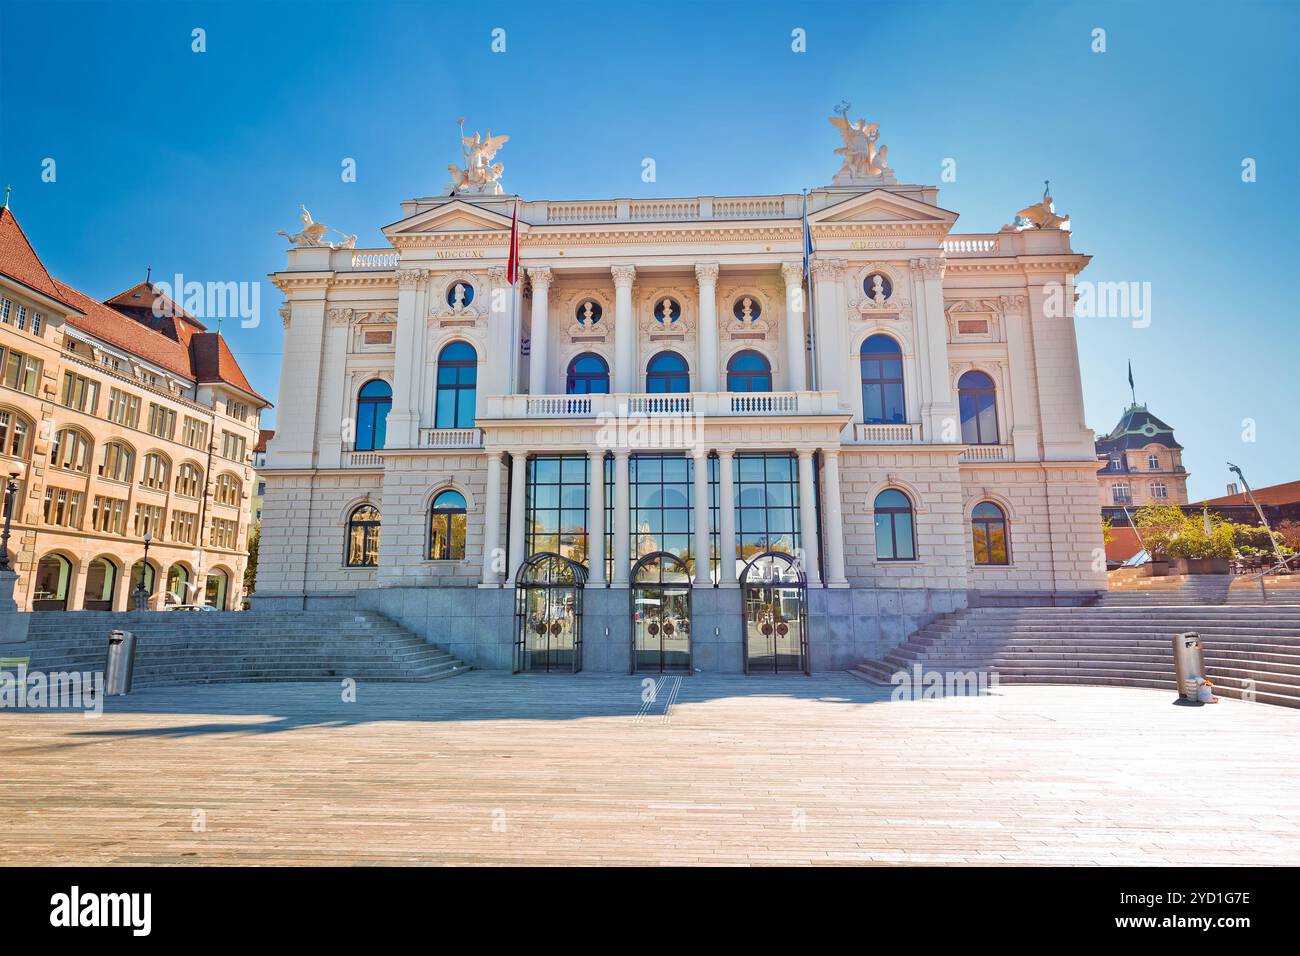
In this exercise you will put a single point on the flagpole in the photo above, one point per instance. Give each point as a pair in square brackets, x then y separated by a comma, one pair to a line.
[806, 240]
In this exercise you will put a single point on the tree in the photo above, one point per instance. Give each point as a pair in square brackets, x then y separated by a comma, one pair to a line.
[250, 569]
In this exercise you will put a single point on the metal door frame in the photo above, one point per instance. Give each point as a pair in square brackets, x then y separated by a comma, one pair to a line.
[548, 571]
[767, 586]
[660, 587]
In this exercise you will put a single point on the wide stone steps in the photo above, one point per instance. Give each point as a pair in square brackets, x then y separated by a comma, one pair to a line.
[209, 647]
[1252, 653]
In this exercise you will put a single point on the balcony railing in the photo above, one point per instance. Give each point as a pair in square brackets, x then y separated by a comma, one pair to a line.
[705, 404]
[986, 453]
[451, 438]
[363, 459]
[906, 434]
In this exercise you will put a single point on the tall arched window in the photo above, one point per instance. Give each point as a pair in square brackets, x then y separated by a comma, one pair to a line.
[749, 372]
[588, 374]
[13, 435]
[229, 489]
[373, 403]
[363, 537]
[977, 400]
[882, 382]
[988, 526]
[70, 451]
[157, 470]
[53, 574]
[457, 377]
[189, 479]
[119, 462]
[447, 527]
[667, 372]
[895, 535]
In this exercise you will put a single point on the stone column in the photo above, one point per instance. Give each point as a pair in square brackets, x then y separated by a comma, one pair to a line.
[596, 520]
[830, 337]
[294, 445]
[624, 331]
[808, 517]
[832, 506]
[1018, 406]
[726, 521]
[795, 349]
[518, 503]
[335, 400]
[492, 520]
[939, 408]
[706, 273]
[540, 337]
[500, 297]
[622, 519]
[700, 464]
[404, 416]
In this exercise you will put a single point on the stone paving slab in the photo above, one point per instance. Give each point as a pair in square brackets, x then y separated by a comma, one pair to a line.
[492, 769]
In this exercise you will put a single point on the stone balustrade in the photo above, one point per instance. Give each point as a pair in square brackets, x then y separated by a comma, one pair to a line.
[707, 404]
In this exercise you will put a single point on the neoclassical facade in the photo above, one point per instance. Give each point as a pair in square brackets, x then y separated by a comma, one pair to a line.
[127, 430]
[533, 473]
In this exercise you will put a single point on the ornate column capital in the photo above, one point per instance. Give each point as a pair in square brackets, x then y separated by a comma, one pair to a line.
[540, 277]
[497, 275]
[829, 269]
[706, 272]
[1011, 303]
[792, 273]
[409, 279]
[624, 276]
[931, 267]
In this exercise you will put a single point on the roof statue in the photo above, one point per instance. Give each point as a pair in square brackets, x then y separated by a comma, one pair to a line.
[1041, 215]
[480, 176]
[313, 234]
[865, 162]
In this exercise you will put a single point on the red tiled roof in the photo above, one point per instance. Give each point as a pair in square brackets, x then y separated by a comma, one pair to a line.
[1286, 493]
[19, 260]
[264, 435]
[214, 362]
[138, 339]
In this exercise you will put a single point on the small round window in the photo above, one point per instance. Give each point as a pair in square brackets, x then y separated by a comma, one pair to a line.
[668, 310]
[588, 312]
[747, 309]
[460, 294]
[877, 287]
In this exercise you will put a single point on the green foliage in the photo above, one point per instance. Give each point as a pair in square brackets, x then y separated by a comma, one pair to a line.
[1169, 533]
[250, 570]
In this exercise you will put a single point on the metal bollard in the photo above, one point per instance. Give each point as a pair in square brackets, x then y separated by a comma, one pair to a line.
[1189, 670]
[120, 665]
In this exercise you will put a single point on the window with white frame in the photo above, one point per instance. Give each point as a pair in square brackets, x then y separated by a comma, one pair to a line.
[1121, 493]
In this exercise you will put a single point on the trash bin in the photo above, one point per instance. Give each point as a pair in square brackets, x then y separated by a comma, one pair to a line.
[120, 664]
[1189, 669]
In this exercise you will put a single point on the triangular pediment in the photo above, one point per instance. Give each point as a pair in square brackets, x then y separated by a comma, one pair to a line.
[454, 216]
[882, 205]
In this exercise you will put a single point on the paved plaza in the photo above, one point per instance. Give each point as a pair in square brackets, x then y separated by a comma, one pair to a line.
[492, 769]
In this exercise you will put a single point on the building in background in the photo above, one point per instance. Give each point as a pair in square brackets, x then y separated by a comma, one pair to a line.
[119, 420]
[259, 463]
[1143, 463]
[593, 468]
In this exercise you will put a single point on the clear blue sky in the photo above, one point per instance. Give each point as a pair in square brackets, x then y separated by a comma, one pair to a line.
[190, 162]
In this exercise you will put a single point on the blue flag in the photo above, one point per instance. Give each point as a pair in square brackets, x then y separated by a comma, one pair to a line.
[807, 238]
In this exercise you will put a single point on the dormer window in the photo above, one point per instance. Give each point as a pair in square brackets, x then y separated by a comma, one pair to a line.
[1153, 462]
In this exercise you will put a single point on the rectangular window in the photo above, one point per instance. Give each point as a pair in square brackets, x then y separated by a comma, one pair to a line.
[237, 410]
[148, 520]
[556, 506]
[767, 504]
[162, 421]
[1122, 494]
[123, 408]
[234, 447]
[108, 515]
[222, 533]
[22, 318]
[662, 502]
[21, 372]
[194, 432]
[80, 393]
[62, 507]
[6, 307]
[184, 524]
[38, 323]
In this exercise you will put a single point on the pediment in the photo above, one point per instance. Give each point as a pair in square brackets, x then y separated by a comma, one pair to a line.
[881, 205]
[454, 216]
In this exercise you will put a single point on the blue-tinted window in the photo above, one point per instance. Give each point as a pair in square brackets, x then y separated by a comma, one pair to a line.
[373, 404]
[588, 374]
[457, 378]
[895, 535]
[977, 400]
[882, 382]
[667, 372]
[749, 372]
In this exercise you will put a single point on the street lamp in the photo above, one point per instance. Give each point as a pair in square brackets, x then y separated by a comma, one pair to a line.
[1277, 550]
[141, 595]
[11, 491]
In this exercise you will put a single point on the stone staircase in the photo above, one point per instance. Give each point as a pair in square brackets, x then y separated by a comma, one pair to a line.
[1248, 650]
[1199, 589]
[176, 647]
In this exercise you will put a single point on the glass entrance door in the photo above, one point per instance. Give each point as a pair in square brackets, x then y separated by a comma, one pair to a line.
[548, 614]
[776, 620]
[661, 614]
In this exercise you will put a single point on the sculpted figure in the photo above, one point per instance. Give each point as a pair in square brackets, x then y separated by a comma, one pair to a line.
[863, 158]
[312, 233]
[1042, 215]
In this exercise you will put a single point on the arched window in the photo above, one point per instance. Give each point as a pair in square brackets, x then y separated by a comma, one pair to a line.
[989, 534]
[157, 470]
[189, 479]
[70, 451]
[895, 536]
[101, 577]
[457, 377]
[119, 462]
[447, 527]
[363, 537]
[977, 399]
[214, 592]
[667, 372]
[178, 581]
[229, 489]
[13, 435]
[588, 374]
[142, 575]
[882, 382]
[373, 404]
[749, 372]
[53, 574]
